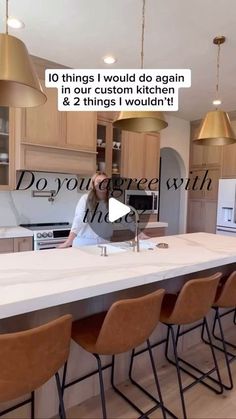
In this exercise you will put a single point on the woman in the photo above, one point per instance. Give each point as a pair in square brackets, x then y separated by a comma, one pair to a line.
[88, 227]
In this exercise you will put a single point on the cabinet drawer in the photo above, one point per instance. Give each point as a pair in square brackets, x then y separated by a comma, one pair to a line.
[122, 235]
[23, 244]
[155, 232]
[6, 245]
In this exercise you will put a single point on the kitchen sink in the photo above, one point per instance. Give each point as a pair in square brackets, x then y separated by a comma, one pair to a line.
[119, 247]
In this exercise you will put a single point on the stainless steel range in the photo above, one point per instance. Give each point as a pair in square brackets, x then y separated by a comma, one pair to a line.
[48, 235]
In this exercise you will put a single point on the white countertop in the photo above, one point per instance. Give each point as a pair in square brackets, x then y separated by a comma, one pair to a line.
[35, 280]
[11, 232]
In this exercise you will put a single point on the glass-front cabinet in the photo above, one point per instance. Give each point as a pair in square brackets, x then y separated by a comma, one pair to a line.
[109, 144]
[6, 150]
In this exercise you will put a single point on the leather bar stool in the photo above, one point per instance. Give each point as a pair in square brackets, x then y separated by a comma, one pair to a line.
[127, 324]
[225, 299]
[28, 359]
[191, 305]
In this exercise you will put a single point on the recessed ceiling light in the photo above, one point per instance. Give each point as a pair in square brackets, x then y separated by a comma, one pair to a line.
[15, 23]
[216, 102]
[109, 59]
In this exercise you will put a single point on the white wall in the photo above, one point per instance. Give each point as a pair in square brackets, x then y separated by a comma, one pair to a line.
[177, 137]
[170, 199]
[19, 206]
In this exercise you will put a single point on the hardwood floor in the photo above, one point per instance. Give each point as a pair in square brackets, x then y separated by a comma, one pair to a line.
[201, 402]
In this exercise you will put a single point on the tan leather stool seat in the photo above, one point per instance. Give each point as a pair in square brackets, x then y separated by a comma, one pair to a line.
[226, 292]
[85, 331]
[192, 303]
[127, 324]
[28, 359]
[225, 299]
[167, 307]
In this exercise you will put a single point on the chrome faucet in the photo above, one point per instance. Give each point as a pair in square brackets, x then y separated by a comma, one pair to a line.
[136, 239]
[103, 250]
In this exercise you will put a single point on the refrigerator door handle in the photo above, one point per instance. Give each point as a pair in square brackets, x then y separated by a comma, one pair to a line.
[234, 212]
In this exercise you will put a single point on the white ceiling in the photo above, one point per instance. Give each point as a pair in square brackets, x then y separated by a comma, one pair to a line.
[179, 34]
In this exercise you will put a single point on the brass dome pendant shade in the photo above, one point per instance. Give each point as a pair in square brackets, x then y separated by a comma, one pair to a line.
[216, 128]
[19, 83]
[141, 121]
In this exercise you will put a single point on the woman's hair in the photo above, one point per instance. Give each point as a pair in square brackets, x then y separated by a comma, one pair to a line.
[92, 196]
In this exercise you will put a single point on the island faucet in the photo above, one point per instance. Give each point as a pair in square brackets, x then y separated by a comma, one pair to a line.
[136, 238]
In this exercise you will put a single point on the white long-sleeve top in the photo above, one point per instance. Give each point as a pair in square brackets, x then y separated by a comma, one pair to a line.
[94, 230]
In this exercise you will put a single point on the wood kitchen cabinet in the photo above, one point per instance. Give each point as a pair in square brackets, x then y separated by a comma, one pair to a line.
[141, 155]
[42, 125]
[138, 155]
[109, 146]
[201, 216]
[17, 244]
[201, 155]
[133, 155]
[52, 141]
[23, 244]
[202, 205]
[205, 156]
[46, 126]
[229, 161]
[152, 156]
[206, 185]
[80, 130]
[7, 150]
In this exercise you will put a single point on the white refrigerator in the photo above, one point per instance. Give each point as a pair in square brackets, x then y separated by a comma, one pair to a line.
[226, 209]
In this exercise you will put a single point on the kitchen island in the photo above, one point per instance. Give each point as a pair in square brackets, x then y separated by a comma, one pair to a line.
[38, 286]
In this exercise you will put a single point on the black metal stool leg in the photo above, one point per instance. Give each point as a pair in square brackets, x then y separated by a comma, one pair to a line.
[234, 317]
[119, 392]
[219, 338]
[102, 391]
[64, 378]
[213, 356]
[217, 319]
[217, 316]
[156, 379]
[63, 384]
[171, 330]
[60, 396]
[141, 388]
[32, 404]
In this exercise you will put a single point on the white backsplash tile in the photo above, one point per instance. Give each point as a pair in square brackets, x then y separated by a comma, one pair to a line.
[19, 206]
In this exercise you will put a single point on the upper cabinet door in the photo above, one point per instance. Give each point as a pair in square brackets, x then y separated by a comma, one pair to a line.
[108, 115]
[81, 130]
[202, 155]
[229, 161]
[196, 151]
[42, 125]
[213, 155]
[133, 155]
[152, 157]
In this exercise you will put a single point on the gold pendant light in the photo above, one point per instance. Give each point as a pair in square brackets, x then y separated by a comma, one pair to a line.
[141, 121]
[216, 128]
[19, 83]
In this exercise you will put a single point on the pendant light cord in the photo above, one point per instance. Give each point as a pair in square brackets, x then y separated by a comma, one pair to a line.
[7, 16]
[143, 30]
[218, 72]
